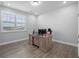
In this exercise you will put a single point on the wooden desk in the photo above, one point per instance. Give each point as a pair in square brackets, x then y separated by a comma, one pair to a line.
[43, 42]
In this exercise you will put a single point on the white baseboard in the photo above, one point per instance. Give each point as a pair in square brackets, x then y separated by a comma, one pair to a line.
[27, 38]
[14, 41]
[65, 43]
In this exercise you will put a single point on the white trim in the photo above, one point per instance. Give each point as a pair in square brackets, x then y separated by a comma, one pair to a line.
[12, 31]
[5, 43]
[28, 38]
[65, 43]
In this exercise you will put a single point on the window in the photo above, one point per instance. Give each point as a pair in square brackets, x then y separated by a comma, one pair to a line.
[20, 22]
[11, 22]
[8, 21]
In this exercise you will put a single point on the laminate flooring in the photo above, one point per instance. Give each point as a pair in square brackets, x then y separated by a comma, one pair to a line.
[23, 49]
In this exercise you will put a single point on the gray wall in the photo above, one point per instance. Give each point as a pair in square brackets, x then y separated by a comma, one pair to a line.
[63, 23]
[17, 35]
[11, 36]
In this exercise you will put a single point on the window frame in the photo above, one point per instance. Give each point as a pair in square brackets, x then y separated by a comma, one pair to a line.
[1, 21]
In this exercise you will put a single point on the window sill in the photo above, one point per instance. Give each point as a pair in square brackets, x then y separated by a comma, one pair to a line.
[12, 31]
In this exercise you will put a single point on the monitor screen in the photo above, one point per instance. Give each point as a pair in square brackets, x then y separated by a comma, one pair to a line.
[41, 31]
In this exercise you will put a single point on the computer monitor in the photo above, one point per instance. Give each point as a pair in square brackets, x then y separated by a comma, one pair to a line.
[42, 31]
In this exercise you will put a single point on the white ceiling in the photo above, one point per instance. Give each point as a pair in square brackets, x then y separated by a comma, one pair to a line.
[44, 7]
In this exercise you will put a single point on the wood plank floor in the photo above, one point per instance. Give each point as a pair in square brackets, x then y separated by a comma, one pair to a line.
[24, 50]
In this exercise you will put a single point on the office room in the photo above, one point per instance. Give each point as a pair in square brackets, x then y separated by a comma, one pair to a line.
[39, 29]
